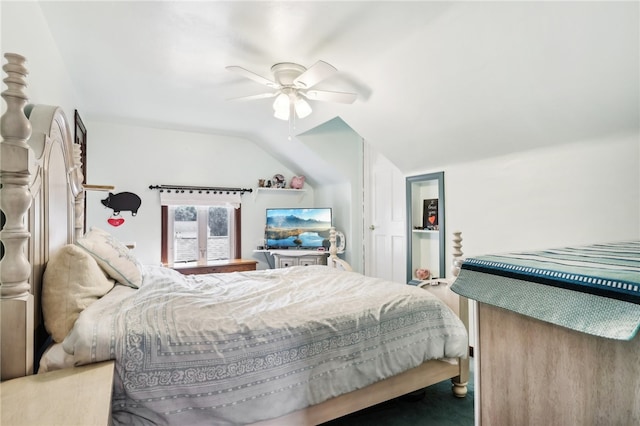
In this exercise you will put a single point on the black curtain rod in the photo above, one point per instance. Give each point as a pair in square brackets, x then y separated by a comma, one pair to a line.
[199, 189]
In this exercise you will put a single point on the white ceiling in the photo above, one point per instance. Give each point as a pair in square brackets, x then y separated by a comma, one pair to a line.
[438, 82]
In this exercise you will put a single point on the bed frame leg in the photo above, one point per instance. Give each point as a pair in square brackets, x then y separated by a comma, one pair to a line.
[459, 383]
[459, 388]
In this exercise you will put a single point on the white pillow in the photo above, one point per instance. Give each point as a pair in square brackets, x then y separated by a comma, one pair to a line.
[72, 281]
[113, 257]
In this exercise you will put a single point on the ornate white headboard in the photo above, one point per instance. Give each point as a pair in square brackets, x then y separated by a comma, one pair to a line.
[42, 198]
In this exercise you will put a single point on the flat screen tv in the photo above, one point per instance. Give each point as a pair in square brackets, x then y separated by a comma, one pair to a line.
[298, 228]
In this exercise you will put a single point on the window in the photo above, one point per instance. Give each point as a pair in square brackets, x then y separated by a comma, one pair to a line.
[198, 233]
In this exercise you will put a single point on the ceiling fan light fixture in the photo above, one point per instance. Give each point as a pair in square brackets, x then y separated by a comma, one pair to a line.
[281, 103]
[282, 106]
[282, 114]
[292, 83]
[302, 107]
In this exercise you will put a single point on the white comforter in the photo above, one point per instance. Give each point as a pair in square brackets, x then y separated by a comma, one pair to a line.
[242, 347]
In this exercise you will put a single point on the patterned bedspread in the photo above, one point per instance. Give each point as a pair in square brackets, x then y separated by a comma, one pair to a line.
[593, 289]
[247, 346]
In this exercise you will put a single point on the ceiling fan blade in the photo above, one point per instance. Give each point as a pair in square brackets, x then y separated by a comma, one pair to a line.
[324, 95]
[253, 97]
[316, 73]
[253, 76]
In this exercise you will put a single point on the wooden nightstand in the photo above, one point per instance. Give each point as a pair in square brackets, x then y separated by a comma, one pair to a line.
[72, 396]
[440, 288]
[233, 265]
[286, 258]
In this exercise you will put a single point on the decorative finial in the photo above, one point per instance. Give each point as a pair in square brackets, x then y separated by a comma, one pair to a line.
[457, 253]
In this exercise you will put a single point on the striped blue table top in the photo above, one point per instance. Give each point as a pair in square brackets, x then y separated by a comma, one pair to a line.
[594, 289]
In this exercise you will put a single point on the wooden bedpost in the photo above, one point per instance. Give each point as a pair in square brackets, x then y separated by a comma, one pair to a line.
[457, 253]
[334, 261]
[16, 300]
[460, 382]
[77, 190]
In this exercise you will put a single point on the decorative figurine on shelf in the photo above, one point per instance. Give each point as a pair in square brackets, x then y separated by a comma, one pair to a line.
[297, 182]
[278, 181]
[423, 274]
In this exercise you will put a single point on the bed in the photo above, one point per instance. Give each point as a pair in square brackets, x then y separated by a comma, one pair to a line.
[171, 365]
[557, 335]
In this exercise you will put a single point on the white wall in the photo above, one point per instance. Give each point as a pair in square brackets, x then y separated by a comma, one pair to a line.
[132, 158]
[577, 193]
[571, 194]
[24, 31]
[339, 145]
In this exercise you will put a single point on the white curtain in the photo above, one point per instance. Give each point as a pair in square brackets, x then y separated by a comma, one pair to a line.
[200, 199]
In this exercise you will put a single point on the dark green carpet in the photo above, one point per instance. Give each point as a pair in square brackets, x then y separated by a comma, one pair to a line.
[438, 407]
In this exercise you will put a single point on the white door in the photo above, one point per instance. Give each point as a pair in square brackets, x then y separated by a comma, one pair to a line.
[385, 215]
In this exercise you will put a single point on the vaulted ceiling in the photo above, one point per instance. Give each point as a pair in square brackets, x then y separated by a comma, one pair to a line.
[437, 82]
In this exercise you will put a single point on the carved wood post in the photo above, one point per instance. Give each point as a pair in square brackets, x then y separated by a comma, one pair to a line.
[78, 203]
[457, 253]
[460, 383]
[333, 248]
[15, 200]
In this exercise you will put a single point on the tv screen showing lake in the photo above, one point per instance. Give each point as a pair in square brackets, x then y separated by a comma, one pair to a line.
[306, 239]
[298, 228]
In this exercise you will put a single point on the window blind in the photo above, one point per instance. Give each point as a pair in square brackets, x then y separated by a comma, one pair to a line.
[199, 199]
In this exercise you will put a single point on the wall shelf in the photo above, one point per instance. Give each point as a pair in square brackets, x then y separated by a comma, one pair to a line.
[279, 191]
[425, 231]
[425, 247]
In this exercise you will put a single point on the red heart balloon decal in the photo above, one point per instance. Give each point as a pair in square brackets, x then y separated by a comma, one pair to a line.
[432, 219]
[115, 221]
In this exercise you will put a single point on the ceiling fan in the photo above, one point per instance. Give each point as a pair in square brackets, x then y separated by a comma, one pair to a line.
[292, 84]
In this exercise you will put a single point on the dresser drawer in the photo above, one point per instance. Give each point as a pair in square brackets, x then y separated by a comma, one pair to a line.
[285, 262]
[299, 258]
[306, 261]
